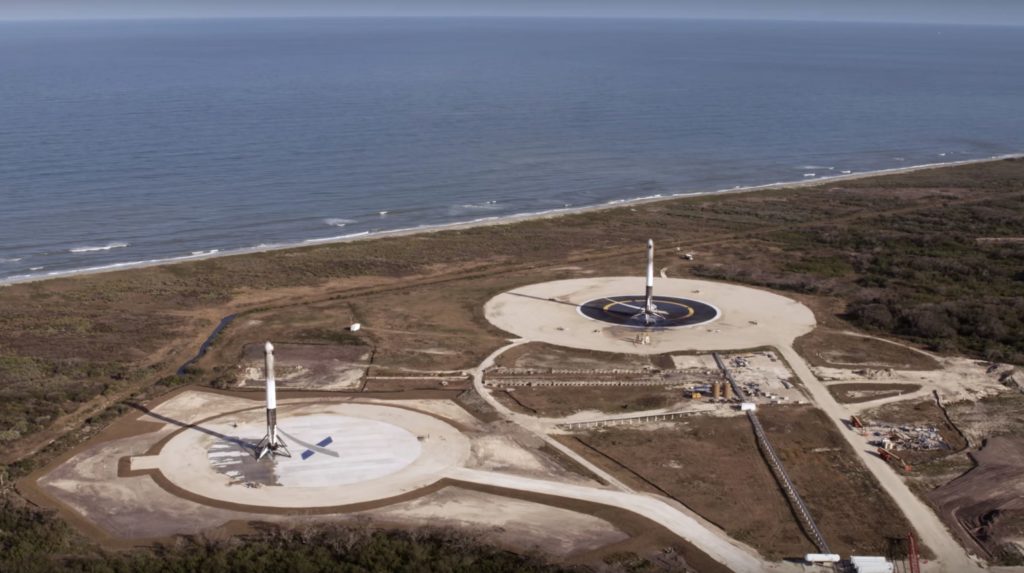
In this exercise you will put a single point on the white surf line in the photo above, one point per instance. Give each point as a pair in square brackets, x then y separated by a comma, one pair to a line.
[717, 545]
[506, 219]
[951, 556]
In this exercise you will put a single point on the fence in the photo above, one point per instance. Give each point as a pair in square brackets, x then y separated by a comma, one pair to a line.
[627, 421]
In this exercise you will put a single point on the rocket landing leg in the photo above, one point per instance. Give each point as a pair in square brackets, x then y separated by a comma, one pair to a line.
[271, 443]
[265, 447]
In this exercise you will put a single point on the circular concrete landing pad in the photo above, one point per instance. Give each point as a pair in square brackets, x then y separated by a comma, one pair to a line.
[551, 312]
[341, 454]
[669, 311]
[326, 450]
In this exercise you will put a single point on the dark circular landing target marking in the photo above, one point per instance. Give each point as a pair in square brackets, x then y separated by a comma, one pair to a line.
[669, 311]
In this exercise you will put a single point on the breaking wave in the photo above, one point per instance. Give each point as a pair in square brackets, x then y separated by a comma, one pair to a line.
[338, 222]
[485, 205]
[337, 238]
[96, 249]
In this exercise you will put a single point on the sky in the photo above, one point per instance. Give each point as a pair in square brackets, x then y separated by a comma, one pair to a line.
[924, 11]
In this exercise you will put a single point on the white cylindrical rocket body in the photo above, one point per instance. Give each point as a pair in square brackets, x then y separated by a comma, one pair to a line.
[268, 351]
[271, 382]
[649, 291]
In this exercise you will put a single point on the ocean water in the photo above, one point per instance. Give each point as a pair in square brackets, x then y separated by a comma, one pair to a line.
[136, 141]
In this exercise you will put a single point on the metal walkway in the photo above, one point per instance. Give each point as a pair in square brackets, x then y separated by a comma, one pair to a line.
[795, 501]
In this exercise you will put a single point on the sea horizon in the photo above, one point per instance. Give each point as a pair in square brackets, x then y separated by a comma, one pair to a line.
[433, 15]
[276, 133]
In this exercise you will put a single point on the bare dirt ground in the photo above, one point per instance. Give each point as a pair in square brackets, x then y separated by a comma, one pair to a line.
[956, 379]
[306, 366]
[704, 362]
[987, 503]
[514, 451]
[515, 523]
[990, 416]
[561, 401]
[854, 513]
[539, 355]
[410, 383]
[834, 349]
[709, 464]
[765, 378]
[438, 327]
[869, 392]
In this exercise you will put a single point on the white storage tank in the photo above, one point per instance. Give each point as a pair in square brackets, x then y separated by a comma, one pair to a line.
[821, 558]
[862, 564]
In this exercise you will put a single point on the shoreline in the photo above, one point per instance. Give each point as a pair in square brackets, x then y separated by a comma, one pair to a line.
[491, 221]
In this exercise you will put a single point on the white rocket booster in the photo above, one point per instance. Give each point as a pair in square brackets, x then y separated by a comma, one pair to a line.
[268, 350]
[649, 294]
[271, 444]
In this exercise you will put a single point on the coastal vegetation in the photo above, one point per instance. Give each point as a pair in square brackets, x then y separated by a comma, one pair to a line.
[31, 541]
[927, 276]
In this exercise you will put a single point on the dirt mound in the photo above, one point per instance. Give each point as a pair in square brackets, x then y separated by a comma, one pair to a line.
[833, 349]
[869, 391]
[306, 366]
[985, 506]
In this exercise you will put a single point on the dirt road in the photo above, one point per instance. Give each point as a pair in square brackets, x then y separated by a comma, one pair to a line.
[716, 544]
[679, 520]
[534, 425]
[951, 557]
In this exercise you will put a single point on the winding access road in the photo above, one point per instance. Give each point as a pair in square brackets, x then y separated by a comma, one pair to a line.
[669, 514]
[951, 556]
[717, 545]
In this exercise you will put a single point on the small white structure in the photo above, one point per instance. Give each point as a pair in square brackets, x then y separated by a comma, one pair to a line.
[748, 407]
[871, 564]
[355, 327]
[821, 558]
